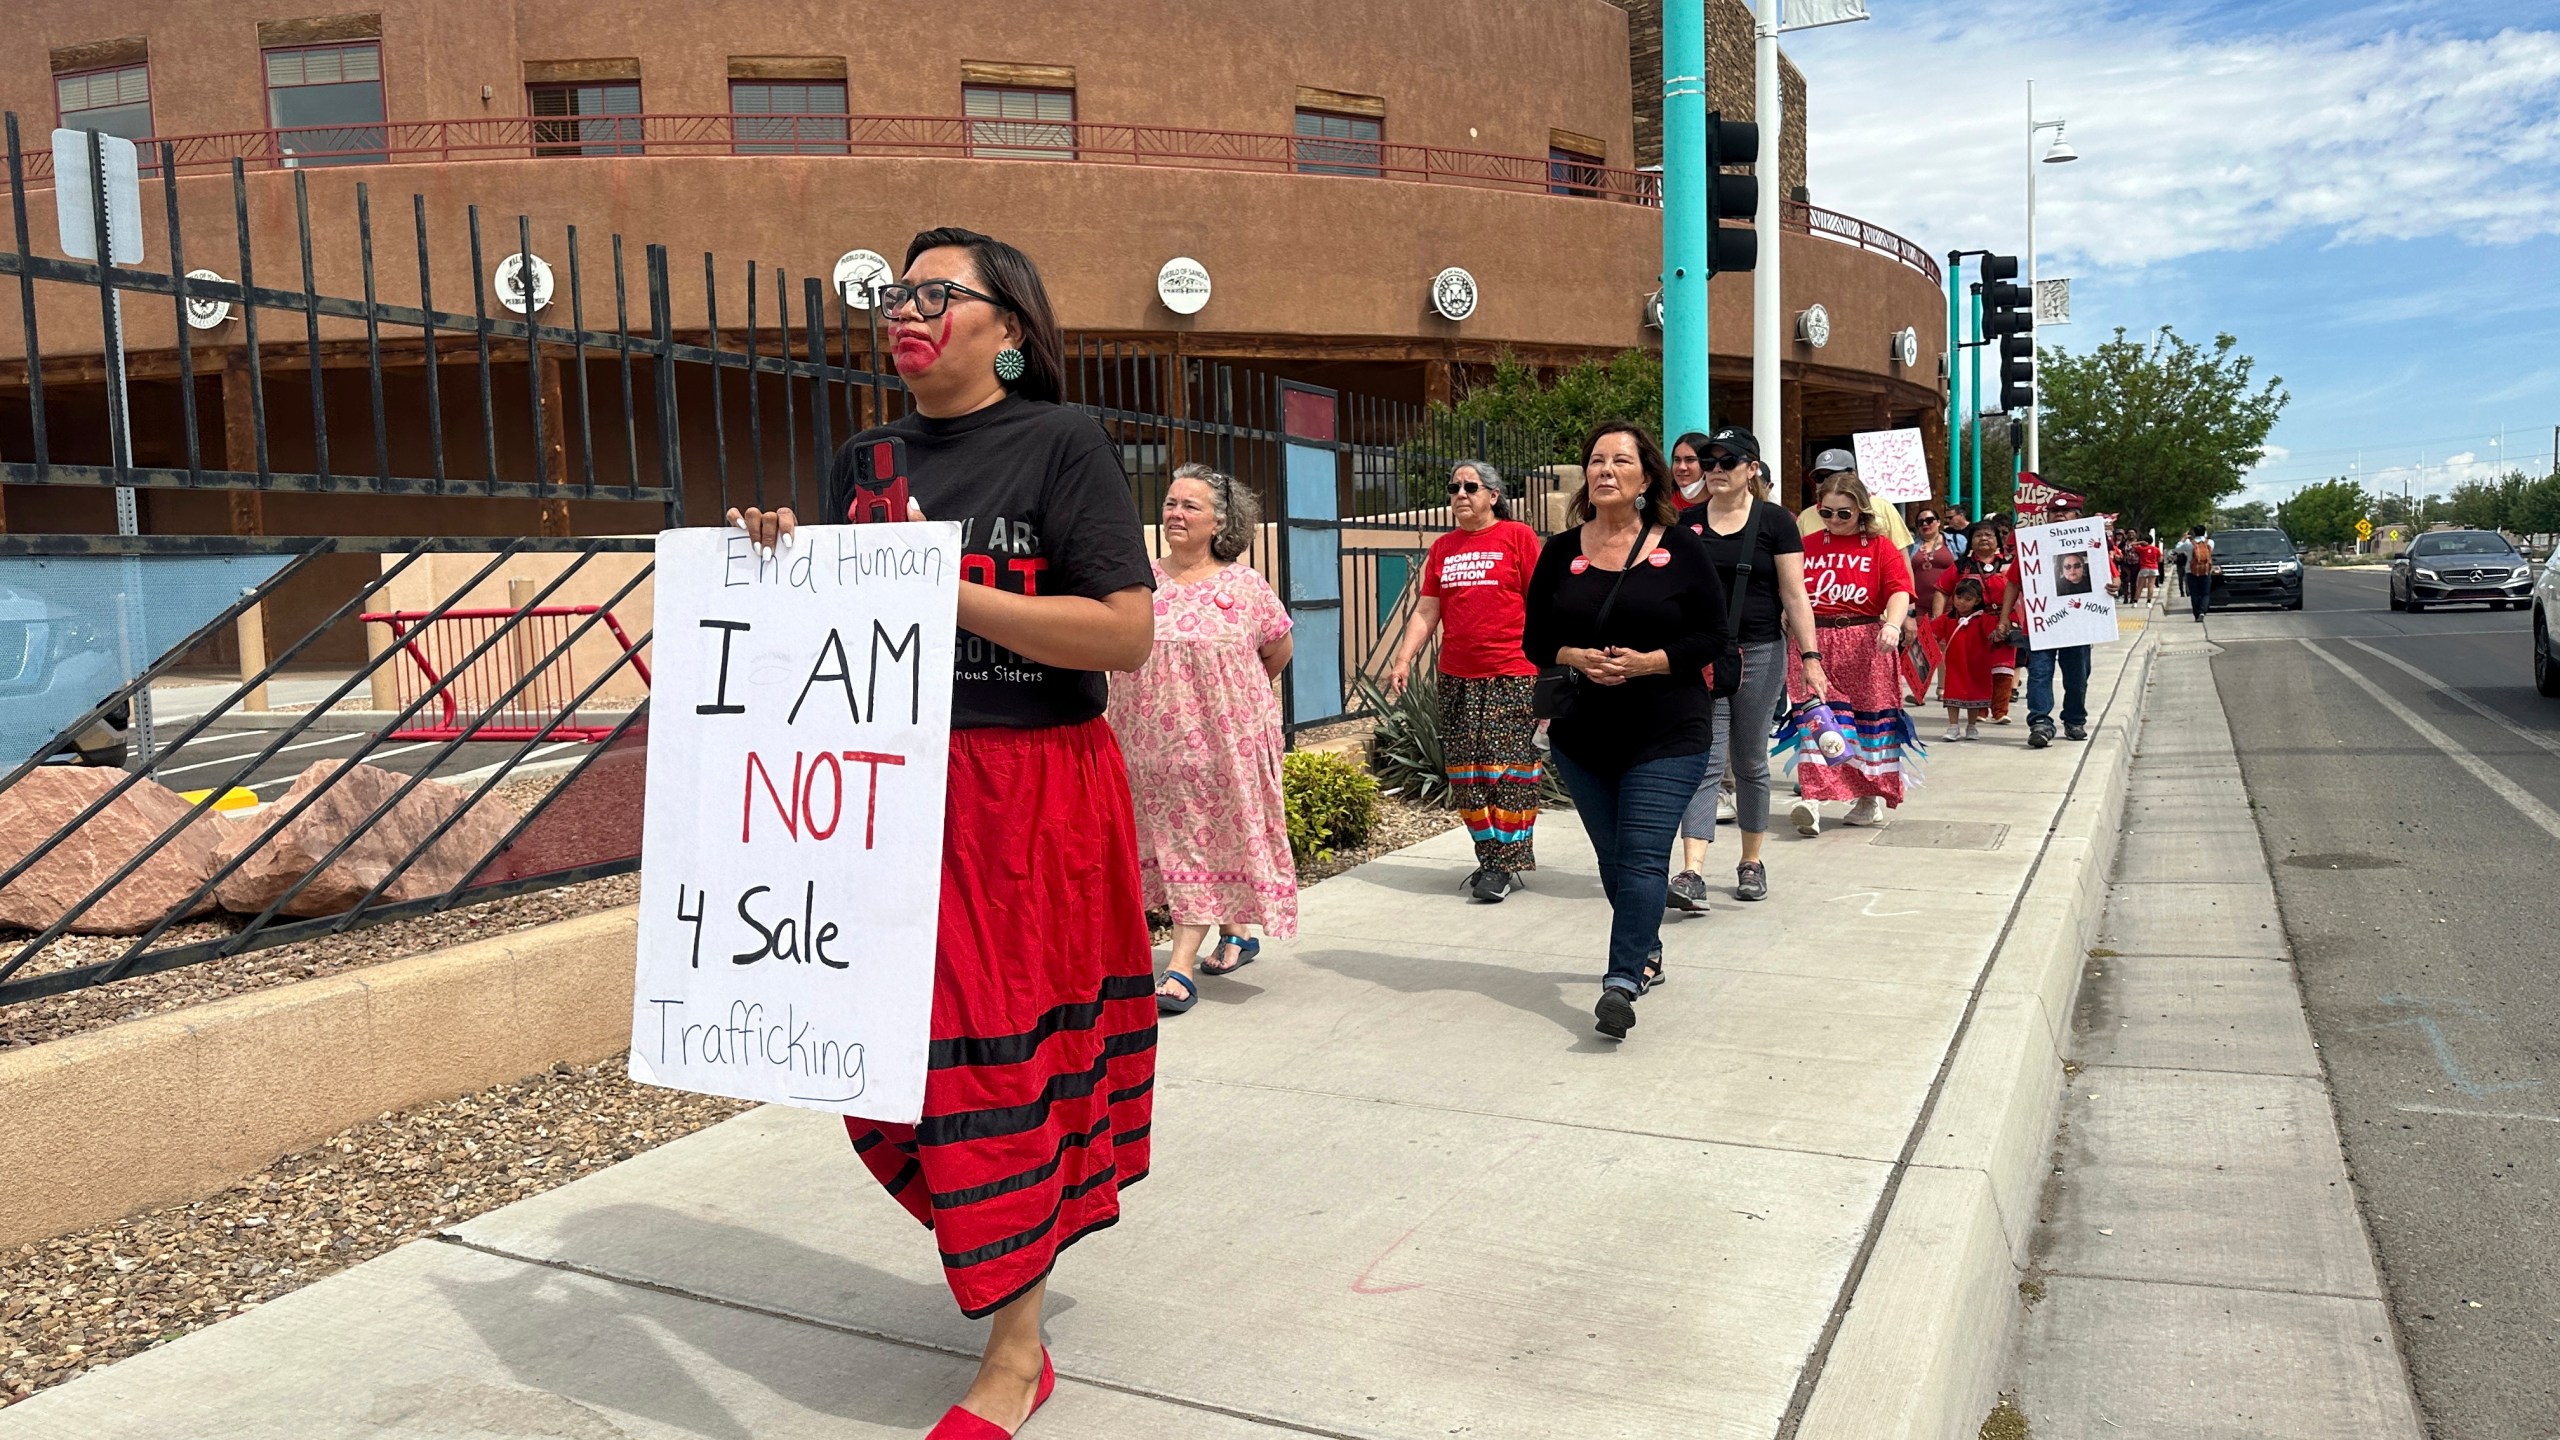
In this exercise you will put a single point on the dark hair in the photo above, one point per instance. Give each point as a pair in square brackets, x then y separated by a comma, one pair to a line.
[1696, 442]
[1660, 505]
[1970, 586]
[1014, 281]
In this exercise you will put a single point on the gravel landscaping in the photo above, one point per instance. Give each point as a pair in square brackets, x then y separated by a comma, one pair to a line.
[89, 1298]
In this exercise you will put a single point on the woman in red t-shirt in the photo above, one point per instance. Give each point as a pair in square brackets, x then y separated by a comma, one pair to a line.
[1861, 589]
[1475, 587]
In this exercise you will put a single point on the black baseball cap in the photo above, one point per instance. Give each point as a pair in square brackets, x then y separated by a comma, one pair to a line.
[1735, 440]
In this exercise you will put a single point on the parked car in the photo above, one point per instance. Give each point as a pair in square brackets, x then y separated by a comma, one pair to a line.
[53, 659]
[2546, 628]
[2460, 567]
[2256, 567]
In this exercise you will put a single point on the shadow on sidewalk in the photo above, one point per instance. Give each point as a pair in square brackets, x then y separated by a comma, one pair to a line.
[1534, 992]
[1415, 877]
[618, 1346]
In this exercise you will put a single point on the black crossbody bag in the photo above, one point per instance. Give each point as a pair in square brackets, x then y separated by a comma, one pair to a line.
[1725, 676]
[1552, 697]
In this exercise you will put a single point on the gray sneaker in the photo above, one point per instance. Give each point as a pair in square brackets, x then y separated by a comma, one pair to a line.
[1491, 885]
[2075, 732]
[1750, 881]
[1689, 892]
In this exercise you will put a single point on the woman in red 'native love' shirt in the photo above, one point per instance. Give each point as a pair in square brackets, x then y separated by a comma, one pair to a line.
[1861, 589]
[1475, 587]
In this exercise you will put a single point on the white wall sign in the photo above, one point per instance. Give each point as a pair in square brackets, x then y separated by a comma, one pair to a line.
[1906, 346]
[1813, 327]
[2053, 302]
[857, 271]
[204, 313]
[1653, 311]
[791, 871]
[1453, 294]
[2063, 575]
[1183, 285]
[1892, 463]
[521, 277]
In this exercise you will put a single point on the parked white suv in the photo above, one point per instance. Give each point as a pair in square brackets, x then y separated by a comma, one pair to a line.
[2546, 627]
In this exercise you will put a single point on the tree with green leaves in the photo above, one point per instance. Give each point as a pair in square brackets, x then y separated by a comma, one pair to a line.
[2536, 509]
[2323, 514]
[2159, 430]
[2486, 504]
[1626, 387]
[2251, 515]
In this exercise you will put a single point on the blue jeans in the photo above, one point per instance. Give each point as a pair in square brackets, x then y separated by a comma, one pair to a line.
[2074, 660]
[1631, 821]
[2200, 593]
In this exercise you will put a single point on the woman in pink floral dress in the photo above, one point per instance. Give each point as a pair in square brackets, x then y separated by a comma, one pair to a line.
[1200, 726]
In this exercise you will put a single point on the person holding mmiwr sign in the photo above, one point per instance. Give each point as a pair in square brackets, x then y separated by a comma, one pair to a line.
[1043, 1045]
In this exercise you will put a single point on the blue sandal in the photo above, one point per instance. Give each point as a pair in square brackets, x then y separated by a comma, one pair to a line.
[1173, 1005]
[1247, 951]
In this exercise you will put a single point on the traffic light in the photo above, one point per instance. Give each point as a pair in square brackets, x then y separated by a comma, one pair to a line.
[2008, 315]
[1732, 200]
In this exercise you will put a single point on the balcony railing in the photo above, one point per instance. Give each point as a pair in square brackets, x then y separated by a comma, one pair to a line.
[519, 137]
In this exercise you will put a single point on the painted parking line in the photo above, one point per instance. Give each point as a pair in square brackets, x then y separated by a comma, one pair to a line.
[2476, 1114]
[2481, 770]
[2475, 707]
[539, 754]
[376, 758]
[236, 759]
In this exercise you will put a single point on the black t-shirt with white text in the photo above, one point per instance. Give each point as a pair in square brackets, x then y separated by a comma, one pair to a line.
[1044, 509]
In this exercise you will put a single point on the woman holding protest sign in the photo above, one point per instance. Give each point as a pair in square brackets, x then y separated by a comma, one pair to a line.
[1042, 1056]
[1200, 724]
[1624, 615]
[1475, 587]
[1861, 590]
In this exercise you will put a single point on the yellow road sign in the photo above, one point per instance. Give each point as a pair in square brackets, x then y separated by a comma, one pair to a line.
[2364, 529]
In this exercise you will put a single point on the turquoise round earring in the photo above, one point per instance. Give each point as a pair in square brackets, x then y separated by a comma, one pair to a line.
[1010, 364]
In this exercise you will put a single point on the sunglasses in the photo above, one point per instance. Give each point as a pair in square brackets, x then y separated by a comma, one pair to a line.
[1464, 487]
[1928, 520]
[1827, 513]
[1723, 462]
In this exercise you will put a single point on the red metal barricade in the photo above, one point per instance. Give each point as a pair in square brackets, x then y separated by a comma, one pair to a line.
[526, 643]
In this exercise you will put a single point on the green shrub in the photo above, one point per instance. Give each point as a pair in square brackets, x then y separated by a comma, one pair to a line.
[1332, 802]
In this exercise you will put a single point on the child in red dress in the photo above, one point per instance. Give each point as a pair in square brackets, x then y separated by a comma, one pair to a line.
[1966, 688]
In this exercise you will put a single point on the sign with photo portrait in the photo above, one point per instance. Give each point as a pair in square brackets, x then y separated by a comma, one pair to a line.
[2063, 580]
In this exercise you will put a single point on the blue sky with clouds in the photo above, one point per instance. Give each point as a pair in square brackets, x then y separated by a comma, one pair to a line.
[2368, 196]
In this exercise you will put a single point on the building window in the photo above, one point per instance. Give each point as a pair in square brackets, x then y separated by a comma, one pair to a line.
[806, 117]
[326, 103]
[1333, 144]
[606, 118]
[1007, 123]
[1574, 172]
[116, 101]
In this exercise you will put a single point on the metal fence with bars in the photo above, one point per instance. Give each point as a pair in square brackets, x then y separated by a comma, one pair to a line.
[476, 482]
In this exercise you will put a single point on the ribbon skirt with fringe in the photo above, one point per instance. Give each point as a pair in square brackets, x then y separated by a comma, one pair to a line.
[1866, 698]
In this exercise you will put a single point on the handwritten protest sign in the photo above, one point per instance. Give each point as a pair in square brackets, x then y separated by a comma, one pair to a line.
[2063, 575]
[1892, 464]
[791, 864]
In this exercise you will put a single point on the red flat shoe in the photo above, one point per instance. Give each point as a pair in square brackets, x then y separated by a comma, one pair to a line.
[959, 1424]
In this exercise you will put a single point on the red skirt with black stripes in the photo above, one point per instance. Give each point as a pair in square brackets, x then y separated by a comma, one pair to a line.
[1042, 1069]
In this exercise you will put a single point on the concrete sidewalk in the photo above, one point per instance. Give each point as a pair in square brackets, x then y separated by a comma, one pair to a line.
[1400, 1188]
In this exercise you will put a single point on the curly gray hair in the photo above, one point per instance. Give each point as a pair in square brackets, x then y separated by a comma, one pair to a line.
[1233, 506]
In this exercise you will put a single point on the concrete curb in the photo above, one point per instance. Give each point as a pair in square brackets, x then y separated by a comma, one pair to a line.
[1918, 1354]
[169, 1107]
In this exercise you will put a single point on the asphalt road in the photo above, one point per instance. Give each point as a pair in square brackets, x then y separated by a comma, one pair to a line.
[2406, 780]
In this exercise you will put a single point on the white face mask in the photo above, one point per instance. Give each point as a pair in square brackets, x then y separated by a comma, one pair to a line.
[1694, 493]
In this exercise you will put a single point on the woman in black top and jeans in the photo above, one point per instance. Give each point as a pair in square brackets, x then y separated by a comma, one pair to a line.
[1633, 740]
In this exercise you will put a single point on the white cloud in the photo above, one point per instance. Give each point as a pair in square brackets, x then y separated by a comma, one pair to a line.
[2190, 142]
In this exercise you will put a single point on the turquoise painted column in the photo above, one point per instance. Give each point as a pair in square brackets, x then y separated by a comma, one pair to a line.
[1974, 397]
[1684, 217]
[1955, 388]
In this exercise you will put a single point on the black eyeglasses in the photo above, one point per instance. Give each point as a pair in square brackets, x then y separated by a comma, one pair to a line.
[929, 298]
[1464, 487]
[1927, 520]
[1723, 462]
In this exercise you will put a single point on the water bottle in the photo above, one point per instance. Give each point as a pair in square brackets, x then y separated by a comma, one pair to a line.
[1538, 738]
[1826, 731]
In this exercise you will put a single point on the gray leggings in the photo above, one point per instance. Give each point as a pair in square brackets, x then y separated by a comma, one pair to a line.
[1743, 717]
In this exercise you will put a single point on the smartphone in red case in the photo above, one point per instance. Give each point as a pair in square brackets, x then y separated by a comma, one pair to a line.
[879, 483]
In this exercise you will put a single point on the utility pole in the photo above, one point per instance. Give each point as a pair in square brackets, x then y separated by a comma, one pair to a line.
[1768, 305]
[1685, 178]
